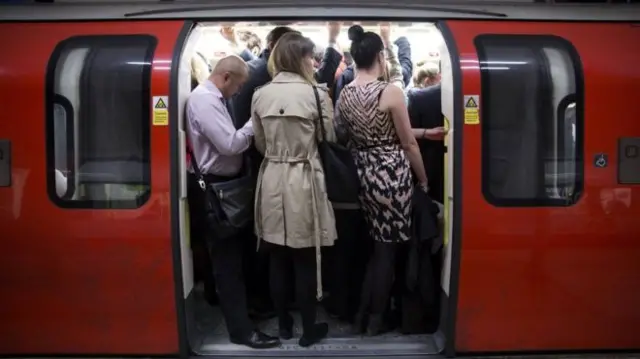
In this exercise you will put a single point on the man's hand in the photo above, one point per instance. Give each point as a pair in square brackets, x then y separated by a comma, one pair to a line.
[385, 33]
[334, 31]
[229, 33]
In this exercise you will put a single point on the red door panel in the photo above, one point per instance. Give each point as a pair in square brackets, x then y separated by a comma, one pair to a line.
[549, 249]
[86, 265]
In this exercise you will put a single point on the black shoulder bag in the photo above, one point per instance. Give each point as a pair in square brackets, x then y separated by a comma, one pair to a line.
[340, 172]
[228, 204]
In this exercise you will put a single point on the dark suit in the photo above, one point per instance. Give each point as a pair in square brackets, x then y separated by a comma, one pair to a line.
[425, 111]
[420, 307]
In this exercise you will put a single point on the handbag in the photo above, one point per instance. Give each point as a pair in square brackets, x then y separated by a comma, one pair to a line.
[340, 172]
[228, 204]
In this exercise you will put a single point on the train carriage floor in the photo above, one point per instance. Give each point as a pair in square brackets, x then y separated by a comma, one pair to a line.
[211, 338]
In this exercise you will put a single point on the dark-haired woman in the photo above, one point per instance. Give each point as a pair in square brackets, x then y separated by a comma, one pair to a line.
[399, 65]
[374, 118]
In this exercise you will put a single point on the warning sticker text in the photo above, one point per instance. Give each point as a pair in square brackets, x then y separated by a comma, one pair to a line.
[160, 110]
[472, 110]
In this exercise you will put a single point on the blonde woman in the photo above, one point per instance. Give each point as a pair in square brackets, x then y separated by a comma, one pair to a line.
[293, 214]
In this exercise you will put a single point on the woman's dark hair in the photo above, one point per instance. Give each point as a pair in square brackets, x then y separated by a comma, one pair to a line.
[365, 46]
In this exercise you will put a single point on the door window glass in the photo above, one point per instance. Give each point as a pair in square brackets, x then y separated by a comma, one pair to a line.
[531, 107]
[98, 121]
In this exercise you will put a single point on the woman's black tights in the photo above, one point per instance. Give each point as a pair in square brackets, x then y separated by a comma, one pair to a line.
[304, 268]
[377, 286]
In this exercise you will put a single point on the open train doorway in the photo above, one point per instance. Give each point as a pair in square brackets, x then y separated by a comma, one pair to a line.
[423, 55]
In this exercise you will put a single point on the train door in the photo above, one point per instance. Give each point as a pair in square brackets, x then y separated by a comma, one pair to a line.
[542, 261]
[449, 85]
[86, 265]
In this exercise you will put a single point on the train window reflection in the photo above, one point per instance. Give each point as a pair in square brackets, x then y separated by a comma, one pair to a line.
[531, 120]
[61, 152]
[98, 121]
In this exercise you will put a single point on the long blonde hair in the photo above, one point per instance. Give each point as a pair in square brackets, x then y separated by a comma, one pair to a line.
[288, 55]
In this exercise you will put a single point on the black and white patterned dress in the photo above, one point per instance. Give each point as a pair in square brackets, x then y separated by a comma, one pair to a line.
[383, 168]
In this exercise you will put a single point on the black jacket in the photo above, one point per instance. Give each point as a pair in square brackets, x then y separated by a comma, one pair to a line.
[425, 111]
[422, 282]
[424, 226]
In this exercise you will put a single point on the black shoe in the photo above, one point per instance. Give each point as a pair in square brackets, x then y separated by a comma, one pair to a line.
[310, 337]
[261, 315]
[337, 316]
[331, 311]
[376, 325]
[258, 340]
[211, 297]
[285, 327]
[359, 323]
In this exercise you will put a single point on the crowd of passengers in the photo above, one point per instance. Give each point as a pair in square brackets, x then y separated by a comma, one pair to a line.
[258, 111]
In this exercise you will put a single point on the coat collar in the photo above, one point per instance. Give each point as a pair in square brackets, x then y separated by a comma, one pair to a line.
[290, 77]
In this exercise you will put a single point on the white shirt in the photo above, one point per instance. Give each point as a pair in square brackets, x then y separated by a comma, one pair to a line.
[216, 144]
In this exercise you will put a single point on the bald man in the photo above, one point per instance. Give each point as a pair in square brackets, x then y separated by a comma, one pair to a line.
[217, 149]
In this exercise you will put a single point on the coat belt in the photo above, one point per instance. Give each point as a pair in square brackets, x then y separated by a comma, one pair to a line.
[314, 199]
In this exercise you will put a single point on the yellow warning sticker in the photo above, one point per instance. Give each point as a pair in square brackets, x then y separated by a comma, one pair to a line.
[472, 110]
[160, 110]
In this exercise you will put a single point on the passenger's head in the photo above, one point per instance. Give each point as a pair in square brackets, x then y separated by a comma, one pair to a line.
[274, 35]
[318, 55]
[229, 75]
[348, 59]
[427, 75]
[367, 50]
[293, 53]
[254, 43]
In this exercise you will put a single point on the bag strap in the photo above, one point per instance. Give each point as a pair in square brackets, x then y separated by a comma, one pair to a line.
[204, 59]
[323, 131]
[194, 166]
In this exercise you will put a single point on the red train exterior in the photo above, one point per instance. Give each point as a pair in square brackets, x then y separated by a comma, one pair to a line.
[536, 278]
[524, 278]
[87, 281]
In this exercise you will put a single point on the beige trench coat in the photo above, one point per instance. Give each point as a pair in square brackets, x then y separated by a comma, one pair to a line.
[292, 208]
